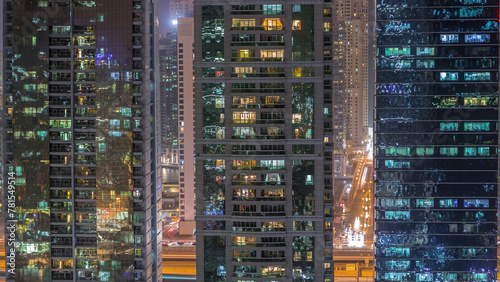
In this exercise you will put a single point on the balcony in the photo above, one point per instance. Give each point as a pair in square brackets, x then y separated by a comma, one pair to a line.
[86, 183]
[85, 229]
[61, 206]
[87, 276]
[258, 214]
[85, 206]
[62, 252]
[86, 241]
[60, 183]
[60, 101]
[60, 171]
[58, 241]
[60, 229]
[62, 275]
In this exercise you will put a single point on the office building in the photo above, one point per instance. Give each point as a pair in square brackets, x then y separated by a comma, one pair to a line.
[263, 141]
[81, 140]
[436, 140]
[186, 128]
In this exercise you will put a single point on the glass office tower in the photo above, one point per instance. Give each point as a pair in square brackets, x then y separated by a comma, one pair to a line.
[263, 140]
[81, 143]
[436, 140]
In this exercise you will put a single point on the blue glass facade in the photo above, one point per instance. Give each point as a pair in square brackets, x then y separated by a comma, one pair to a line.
[436, 140]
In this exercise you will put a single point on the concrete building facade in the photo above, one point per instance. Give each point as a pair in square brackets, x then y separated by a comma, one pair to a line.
[264, 140]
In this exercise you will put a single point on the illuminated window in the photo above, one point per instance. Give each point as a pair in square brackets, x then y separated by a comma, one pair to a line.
[243, 22]
[243, 131]
[396, 164]
[425, 151]
[449, 102]
[244, 53]
[244, 117]
[476, 101]
[296, 25]
[244, 164]
[85, 3]
[84, 40]
[397, 215]
[296, 118]
[297, 71]
[448, 151]
[272, 9]
[398, 203]
[425, 203]
[425, 51]
[398, 51]
[114, 124]
[476, 126]
[425, 64]
[476, 76]
[271, 100]
[62, 124]
[275, 54]
[484, 151]
[327, 26]
[138, 253]
[476, 203]
[220, 134]
[448, 76]
[272, 164]
[219, 103]
[477, 38]
[272, 23]
[309, 179]
[60, 29]
[397, 151]
[470, 151]
[448, 203]
[242, 71]
[274, 131]
[242, 101]
[448, 126]
[449, 38]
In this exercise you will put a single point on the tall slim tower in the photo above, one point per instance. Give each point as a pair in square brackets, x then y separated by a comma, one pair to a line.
[436, 140]
[263, 140]
[168, 74]
[81, 148]
[168, 93]
[351, 73]
[186, 98]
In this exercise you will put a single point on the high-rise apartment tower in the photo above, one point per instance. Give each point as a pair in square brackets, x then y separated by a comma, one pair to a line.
[436, 140]
[263, 140]
[186, 128]
[168, 93]
[81, 144]
[350, 78]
